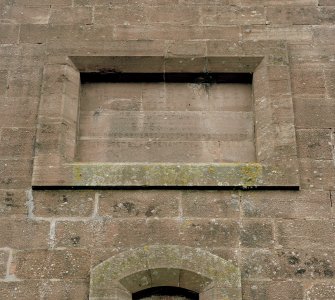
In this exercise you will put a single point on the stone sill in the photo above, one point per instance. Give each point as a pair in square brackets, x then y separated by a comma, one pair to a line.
[218, 175]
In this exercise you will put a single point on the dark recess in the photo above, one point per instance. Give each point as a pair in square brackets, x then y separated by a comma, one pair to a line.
[166, 291]
[112, 76]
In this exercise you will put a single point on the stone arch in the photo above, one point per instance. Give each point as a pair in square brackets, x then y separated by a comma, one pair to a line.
[165, 265]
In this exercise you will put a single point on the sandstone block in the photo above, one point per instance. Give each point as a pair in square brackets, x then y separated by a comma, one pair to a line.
[308, 82]
[174, 32]
[9, 33]
[33, 33]
[24, 82]
[83, 15]
[4, 255]
[210, 204]
[47, 289]
[27, 15]
[323, 35]
[3, 82]
[321, 291]
[259, 264]
[16, 142]
[63, 203]
[232, 15]
[24, 234]
[142, 204]
[120, 15]
[13, 203]
[286, 204]
[15, 173]
[317, 174]
[272, 290]
[314, 143]
[306, 233]
[307, 263]
[314, 112]
[293, 15]
[53, 264]
[257, 234]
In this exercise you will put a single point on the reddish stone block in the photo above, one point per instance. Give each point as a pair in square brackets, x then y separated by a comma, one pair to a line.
[63, 16]
[27, 15]
[323, 35]
[77, 234]
[4, 256]
[257, 234]
[314, 112]
[15, 173]
[120, 15]
[24, 82]
[232, 15]
[307, 263]
[272, 290]
[258, 264]
[63, 203]
[16, 142]
[33, 33]
[210, 233]
[293, 15]
[13, 203]
[3, 82]
[317, 174]
[18, 112]
[286, 204]
[308, 82]
[51, 264]
[210, 204]
[9, 34]
[314, 143]
[173, 14]
[174, 32]
[143, 204]
[321, 291]
[24, 234]
[306, 233]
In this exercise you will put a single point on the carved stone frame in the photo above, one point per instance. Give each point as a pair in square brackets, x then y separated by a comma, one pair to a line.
[276, 166]
[165, 265]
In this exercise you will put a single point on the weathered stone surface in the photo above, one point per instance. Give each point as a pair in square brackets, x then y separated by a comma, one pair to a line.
[273, 290]
[321, 291]
[306, 233]
[306, 263]
[128, 204]
[63, 203]
[13, 203]
[256, 234]
[57, 264]
[53, 290]
[210, 204]
[23, 234]
[315, 144]
[16, 142]
[4, 256]
[286, 204]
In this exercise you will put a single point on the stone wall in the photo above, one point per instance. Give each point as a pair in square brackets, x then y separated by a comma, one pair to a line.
[283, 241]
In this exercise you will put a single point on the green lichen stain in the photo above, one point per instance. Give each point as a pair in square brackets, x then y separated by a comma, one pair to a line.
[77, 173]
[251, 174]
[221, 174]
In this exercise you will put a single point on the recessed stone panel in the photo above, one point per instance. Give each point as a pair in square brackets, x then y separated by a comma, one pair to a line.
[166, 122]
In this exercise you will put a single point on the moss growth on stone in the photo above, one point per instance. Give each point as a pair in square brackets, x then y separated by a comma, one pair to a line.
[221, 174]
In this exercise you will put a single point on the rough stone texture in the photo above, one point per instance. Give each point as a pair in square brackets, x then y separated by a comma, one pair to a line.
[51, 240]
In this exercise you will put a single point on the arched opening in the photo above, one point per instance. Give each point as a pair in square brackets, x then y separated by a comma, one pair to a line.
[157, 268]
[165, 293]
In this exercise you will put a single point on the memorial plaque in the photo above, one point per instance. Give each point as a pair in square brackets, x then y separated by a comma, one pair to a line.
[176, 122]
